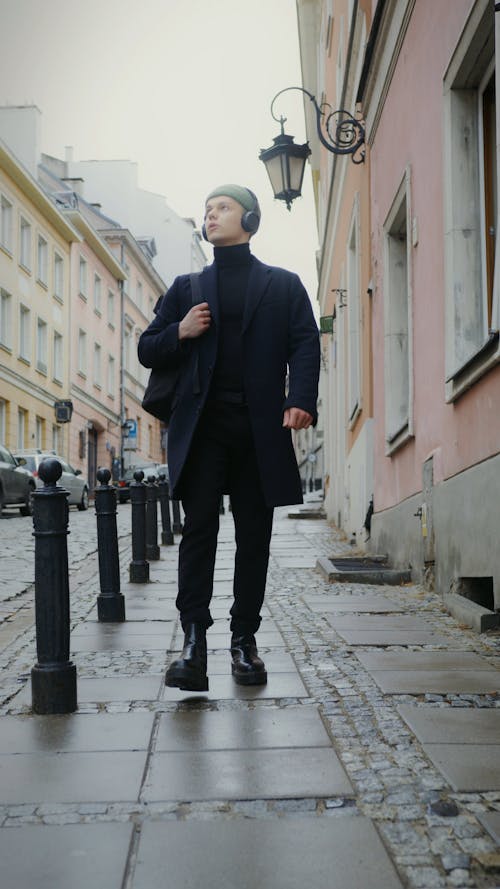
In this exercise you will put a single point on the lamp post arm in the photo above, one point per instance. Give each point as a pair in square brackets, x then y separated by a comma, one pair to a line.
[345, 134]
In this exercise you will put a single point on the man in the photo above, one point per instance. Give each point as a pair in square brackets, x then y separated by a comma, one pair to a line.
[231, 421]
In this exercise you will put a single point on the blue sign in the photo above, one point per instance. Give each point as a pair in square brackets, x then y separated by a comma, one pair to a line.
[132, 428]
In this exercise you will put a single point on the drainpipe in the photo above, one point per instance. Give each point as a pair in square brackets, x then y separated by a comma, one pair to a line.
[122, 359]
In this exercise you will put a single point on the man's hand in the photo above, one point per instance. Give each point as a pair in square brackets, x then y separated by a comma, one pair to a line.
[196, 322]
[294, 418]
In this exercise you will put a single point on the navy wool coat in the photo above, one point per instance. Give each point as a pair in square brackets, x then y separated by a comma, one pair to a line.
[279, 336]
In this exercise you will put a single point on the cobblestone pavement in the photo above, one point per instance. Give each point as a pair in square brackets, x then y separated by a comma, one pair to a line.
[435, 836]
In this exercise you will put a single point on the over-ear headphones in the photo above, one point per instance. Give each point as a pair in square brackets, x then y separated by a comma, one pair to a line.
[250, 220]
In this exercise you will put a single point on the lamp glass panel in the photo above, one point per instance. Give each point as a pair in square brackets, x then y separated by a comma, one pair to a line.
[296, 167]
[274, 167]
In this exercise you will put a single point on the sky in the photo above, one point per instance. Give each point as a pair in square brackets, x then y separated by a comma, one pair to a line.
[182, 87]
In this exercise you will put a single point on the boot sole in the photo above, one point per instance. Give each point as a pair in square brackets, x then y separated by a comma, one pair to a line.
[249, 678]
[186, 683]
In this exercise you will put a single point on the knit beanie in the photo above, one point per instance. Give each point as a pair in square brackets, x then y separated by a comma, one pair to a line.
[240, 194]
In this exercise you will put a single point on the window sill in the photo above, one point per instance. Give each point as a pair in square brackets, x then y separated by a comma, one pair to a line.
[398, 439]
[58, 298]
[5, 249]
[98, 313]
[24, 360]
[82, 296]
[25, 268]
[42, 369]
[486, 357]
[111, 325]
[42, 283]
[6, 348]
[81, 374]
[57, 382]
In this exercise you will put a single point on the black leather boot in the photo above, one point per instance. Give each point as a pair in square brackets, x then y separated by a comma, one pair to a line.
[247, 667]
[189, 672]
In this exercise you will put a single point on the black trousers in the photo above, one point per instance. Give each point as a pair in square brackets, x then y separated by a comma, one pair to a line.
[222, 459]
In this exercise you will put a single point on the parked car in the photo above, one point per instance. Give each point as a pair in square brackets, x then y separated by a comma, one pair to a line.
[71, 479]
[17, 484]
[148, 469]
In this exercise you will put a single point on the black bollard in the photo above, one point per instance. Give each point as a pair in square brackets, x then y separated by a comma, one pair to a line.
[139, 567]
[176, 513]
[53, 678]
[167, 537]
[111, 603]
[152, 548]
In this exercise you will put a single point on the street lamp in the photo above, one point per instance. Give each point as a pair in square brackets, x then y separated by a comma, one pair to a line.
[338, 131]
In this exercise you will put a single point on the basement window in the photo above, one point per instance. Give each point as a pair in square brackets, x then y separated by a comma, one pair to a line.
[478, 590]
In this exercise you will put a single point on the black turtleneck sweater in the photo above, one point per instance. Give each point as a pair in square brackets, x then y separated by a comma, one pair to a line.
[233, 270]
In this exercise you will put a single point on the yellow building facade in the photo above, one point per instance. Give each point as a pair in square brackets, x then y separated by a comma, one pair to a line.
[35, 247]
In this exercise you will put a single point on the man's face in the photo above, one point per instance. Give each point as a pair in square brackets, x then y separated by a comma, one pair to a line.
[223, 222]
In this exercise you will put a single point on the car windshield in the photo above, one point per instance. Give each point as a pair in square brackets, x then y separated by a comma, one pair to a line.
[30, 462]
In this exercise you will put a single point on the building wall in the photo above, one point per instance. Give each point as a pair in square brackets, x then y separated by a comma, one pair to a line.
[34, 372]
[333, 48]
[95, 425]
[442, 529]
[114, 185]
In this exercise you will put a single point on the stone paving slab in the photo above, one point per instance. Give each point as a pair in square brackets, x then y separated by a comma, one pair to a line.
[467, 767]
[71, 777]
[284, 773]
[341, 853]
[90, 732]
[131, 628]
[442, 725]
[437, 681]
[378, 622]
[491, 822]
[241, 730]
[73, 856]
[296, 561]
[121, 642]
[224, 688]
[368, 603]
[107, 689]
[392, 637]
[423, 660]
[223, 640]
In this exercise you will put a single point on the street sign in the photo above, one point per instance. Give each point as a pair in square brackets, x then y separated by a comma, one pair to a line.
[63, 411]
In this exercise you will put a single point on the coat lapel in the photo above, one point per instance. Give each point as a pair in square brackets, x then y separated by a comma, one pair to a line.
[258, 282]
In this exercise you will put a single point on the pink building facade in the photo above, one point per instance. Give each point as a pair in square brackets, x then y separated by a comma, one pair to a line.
[428, 93]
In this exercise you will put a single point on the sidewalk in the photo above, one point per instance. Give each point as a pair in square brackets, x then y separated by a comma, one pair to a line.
[371, 760]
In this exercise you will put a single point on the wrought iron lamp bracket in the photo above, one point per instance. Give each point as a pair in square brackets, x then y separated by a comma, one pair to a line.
[338, 131]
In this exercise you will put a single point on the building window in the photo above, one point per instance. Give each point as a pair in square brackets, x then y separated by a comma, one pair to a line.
[25, 246]
[354, 318]
[6, 224]
[58, 277]
[39, 432]
[111, 308]
[42, 260]
[97, 365]
[398, 357]
[82, 353]
[22, 423]
[97, 294]
[58, 357]
[471, 206]
[111, 376]
[25, 333]
[82, 278]
[56, 438]
[41, 345]
[5, 319]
